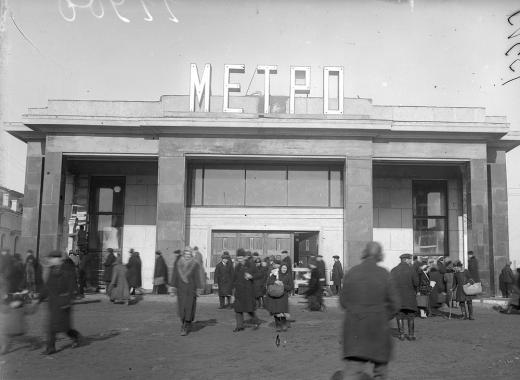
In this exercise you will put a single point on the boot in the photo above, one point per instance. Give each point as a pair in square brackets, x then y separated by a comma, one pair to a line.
[184, 331]
[470, 311]
[463, 310]
[400, 327]
[411, 329]
[51, 349]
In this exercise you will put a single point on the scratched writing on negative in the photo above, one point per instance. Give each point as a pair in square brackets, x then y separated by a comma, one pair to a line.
[69, 8]
[515, 34]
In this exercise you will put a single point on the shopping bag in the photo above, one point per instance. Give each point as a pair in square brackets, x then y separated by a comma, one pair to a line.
[472, 289]
[422, 300]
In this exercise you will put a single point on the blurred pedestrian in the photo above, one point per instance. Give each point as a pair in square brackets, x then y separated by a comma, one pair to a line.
[30, 273]
[370, 302]
[243, 278]
[133, 273]
[473, 267]
[108, 265]
[118, 289]
[314, 292]
[13, 321]
[187, 285]
[406, 282]
[224, 279]
[199, 258]
[320, 264]
[279, 285]
[448, 281]
[337, 275]
[506, 280]
[6, 267]
[59, 290]
[462, 277]
[438, 293]
[17, 274]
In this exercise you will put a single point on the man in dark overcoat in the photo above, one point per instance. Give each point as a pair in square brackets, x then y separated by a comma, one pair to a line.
[370, 302]
[337, 274]
[224, 280]
[406, 282]
[506, 280]
[245, 301]
[108, 264]
[59, 289]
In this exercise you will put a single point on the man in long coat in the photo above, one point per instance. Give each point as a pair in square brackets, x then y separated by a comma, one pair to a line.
[187, 285]
[406, 282]
[160, 275]
[320, 264]
[337, 274]
[224, 280]
[245, 301]
[370, 301]
[506, 280]
[60, 290]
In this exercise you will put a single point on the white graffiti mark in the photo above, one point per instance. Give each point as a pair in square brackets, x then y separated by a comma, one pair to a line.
[68, 9]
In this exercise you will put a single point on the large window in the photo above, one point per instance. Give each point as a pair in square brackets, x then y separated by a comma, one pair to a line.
[265, 184]
[430, 218]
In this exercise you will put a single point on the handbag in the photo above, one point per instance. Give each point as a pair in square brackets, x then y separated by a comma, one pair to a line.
[472, 289]
[422, 300]
[275, 290]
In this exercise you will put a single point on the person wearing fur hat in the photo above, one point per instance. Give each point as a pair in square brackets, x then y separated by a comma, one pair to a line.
[243, 283]
[59, 289]
[260, 282]
[187, 285]
[224, 279]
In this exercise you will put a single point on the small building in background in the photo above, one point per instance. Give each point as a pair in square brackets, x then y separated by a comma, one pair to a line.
[10, 220]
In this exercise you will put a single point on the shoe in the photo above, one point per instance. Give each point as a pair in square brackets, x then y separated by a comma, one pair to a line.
[184, 332]
[411, 337]
[221, 307]
[49, 351]
[238, 329]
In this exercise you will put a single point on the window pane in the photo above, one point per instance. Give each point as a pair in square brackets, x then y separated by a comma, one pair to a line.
[429, 235]
[105, 199]
[266, 186]
[336, 188]
[196, 187]
[224, 186]
[308, 187]
[429, 198]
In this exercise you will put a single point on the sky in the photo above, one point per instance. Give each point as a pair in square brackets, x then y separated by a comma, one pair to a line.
[422, 52]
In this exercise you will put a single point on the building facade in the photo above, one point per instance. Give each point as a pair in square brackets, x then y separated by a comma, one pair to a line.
[10, 220]
[160, 175]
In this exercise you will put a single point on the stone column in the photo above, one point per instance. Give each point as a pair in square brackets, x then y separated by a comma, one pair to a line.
[171, 209]
[498, 220]
[52, 203]
[478, 223]
[358, 212]
[31, 200]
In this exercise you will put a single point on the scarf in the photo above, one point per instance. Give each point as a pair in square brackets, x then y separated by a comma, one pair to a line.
[184, 268]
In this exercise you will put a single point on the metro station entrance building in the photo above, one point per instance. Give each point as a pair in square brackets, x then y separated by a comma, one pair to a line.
[155, 176]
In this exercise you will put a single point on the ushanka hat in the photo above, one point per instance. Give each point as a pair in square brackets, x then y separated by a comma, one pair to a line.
[335, 257]
[241, 253]
[405, 256]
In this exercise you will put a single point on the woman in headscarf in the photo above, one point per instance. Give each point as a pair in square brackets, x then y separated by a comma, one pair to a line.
[187, 284]
[118, 289]
[278, 306]
[160, 275]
